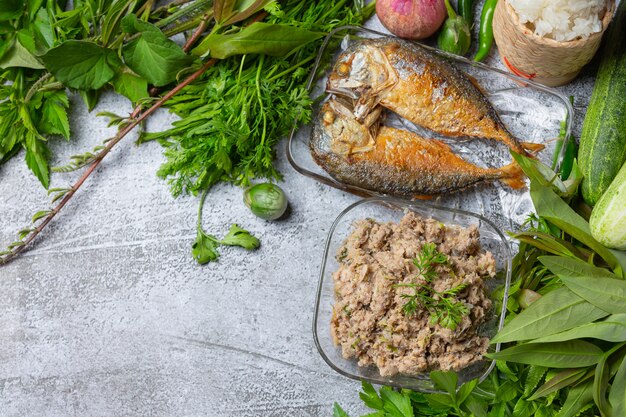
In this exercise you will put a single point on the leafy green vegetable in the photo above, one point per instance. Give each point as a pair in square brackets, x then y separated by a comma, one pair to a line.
[617, 396]
[557, 311]
[82, 64]
[152, 55]
[258, 38]
[130, 86]
[562, 379]
[611, 329]
[239, 237]
[569, 354]
[605, 293]
[574, 268]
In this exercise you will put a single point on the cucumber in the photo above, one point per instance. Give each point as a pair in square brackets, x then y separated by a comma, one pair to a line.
[608, 218]
[602, 149]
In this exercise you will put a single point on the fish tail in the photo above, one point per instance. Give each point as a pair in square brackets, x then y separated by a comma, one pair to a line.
[513, 176]
[533, 148]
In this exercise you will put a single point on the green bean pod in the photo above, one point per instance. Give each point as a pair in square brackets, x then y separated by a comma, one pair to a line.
[485, 35]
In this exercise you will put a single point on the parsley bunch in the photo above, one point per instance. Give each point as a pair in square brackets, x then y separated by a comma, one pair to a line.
[443, 306]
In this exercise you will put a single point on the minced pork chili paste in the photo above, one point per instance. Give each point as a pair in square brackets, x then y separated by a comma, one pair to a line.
[368, 320]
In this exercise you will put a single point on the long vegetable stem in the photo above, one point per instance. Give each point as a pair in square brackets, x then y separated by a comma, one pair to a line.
[100, 156]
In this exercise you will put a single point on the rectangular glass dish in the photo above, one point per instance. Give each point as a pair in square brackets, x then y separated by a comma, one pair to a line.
[386, 209]
[531, 112]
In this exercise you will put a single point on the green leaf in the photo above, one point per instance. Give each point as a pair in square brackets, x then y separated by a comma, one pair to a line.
[445, 380]
[83, 65]
[11, 9]
[577, 399]
[245, 9]
[574, 268]
[551, 207]
[569, 354]
[465, 390]
[611, 329]
[561, 380]
[557, 311]
[131, 24]
[535, 375]
[617, 395]
[204, 249]
[524, 408]
[40, 214]
[18, 56]
[396, 404]
[37, 159]
[54, 112]
[130, 86]
[605, 293]
[90, 97]
[476, 407]
[543, 174]
[370, 397]
[338, 411]
[601, 384]
[239, 237]
[155, 57]
[258, 38]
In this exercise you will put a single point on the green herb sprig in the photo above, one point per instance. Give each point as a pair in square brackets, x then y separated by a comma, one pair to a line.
[444, 308]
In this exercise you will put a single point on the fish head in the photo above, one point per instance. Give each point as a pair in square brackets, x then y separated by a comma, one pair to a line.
[343, 133]
[362, 75]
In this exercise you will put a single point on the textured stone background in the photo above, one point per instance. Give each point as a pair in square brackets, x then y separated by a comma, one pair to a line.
[108, 314]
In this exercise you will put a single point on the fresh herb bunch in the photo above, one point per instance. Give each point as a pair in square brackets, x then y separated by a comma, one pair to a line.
[47, 47]
[444, 308]
[235, 115]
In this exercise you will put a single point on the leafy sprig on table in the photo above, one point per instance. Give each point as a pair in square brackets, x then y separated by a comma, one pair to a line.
[444, 308]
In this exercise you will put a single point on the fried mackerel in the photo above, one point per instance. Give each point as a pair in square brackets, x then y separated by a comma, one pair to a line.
[419, 86]
[393, 161]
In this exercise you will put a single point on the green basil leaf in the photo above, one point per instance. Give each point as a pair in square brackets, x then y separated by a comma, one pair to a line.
[11, 9]
[18, 56]
[561, 380]
[83, 65]
[258, 38]
[574, 268]
[557, 311]
[551, 207]
[155, 57]
[611, 329]
[130, 86]
[578, 398]
[617, 395]
[570, 354]
[605, 293]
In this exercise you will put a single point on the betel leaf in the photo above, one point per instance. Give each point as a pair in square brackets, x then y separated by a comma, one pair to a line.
[569, 354]
[551, 207]
[258, 38]
[577, 398]
[83, 65]
[605, 293]
[18, 56]
[130, 86]
[155, 57]
[11, 9]
[617, 395]
[611, 329]
[557, 311]
[574, 268]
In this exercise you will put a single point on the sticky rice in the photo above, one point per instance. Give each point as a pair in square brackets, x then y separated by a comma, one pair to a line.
[561, 20]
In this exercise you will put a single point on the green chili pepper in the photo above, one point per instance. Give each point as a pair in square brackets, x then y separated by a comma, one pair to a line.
[485, 35]
[465, 10]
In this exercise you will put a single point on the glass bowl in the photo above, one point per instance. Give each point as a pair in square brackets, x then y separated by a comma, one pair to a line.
[387, 209]
[532, 112]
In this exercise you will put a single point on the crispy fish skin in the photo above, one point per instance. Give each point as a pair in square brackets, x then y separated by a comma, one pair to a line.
[397, 161]
[419, 86]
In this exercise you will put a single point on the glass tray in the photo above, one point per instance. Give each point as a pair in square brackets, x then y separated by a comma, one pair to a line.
[386, 209]
[531, 111]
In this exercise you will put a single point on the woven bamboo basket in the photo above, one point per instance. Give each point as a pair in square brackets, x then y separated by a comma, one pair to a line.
[546, 61]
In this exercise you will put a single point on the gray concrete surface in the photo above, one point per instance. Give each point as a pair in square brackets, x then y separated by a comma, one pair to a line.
[108, 314]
